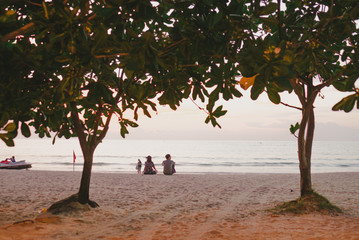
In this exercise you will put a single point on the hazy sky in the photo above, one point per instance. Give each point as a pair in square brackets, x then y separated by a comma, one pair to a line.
[247, 120]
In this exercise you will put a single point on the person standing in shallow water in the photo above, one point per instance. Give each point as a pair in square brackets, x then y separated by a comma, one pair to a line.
[168, 165]
[149, 166]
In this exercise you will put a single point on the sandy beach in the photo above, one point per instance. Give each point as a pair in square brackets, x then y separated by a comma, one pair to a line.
[183, 206]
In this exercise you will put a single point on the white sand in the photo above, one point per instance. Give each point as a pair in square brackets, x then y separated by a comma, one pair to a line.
[183, 206]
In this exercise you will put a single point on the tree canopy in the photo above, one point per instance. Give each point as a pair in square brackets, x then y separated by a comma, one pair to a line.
[83, 51]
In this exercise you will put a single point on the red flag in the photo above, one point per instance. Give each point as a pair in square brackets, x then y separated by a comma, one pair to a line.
[74, 155]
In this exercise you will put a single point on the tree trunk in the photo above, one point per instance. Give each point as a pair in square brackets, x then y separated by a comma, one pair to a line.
[305, 144]
[304, 156]
[84, 192]
[88, 152]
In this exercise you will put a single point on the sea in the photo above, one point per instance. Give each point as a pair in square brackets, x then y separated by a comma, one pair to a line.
[191, 156]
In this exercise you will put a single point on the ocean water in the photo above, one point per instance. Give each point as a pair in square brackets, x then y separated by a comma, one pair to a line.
[191, 156]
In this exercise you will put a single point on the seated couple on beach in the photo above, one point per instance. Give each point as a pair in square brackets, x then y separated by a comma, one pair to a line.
[168, 166]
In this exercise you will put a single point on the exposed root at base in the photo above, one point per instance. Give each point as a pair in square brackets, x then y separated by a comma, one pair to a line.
[309, 203]
[71, 204]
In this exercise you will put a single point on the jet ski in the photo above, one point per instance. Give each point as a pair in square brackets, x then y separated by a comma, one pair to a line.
[7, 164]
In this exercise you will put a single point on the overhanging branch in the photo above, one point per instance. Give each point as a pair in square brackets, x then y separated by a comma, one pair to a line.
[18, 32]
[291, 106]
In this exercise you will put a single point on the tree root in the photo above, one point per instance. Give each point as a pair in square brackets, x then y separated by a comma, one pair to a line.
[71, 204]
[309, 203]
[93, 204]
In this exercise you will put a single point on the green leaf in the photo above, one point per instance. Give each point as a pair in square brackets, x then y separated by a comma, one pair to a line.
[257, 89]
[294, 128]
[270, 22]
[123, 131]
[217, 18]
[283, 84]
[213, 121]
[270, 8]
[340, 85]
[4, 118]
[219, 112]
[131, 123]
[346, 103]
[207, 120]
[8, 141]
[25, 130]
[273, 96]
[227, 94]
[10, 127]
[235, 92]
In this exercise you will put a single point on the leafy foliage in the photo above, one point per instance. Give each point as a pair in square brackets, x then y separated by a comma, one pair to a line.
[112, 58]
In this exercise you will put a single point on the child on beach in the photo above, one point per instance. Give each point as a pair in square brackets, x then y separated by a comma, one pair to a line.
[139, 166]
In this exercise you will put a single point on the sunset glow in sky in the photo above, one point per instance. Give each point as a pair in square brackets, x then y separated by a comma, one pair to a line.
[247, 120]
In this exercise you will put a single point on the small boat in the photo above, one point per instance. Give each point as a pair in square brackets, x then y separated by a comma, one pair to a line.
[7, 164]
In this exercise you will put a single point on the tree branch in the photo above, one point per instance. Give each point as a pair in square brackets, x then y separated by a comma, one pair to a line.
[112, 55]
[20, 31]
[279, 21]
[200, 108]
[291, 106]
[28, 26]
[79, 129]
[96, 124]
[108, 120]
[297, 91]
[319, 87]
[330, 81]
[169, 47]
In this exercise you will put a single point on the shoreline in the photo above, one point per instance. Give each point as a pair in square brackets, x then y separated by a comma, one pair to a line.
[178, 173]
[182, 206]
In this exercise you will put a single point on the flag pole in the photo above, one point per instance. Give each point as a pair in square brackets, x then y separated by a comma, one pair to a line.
[73, 163]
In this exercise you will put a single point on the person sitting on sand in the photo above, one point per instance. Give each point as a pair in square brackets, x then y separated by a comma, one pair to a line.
[149, 166]
[168, 165]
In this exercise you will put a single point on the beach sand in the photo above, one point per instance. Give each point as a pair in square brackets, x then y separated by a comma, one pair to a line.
[183, 206]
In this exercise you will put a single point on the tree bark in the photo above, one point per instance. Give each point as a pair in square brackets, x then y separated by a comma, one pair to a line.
[88, 152]
[304, 167]
[305, 142]
[84, 192]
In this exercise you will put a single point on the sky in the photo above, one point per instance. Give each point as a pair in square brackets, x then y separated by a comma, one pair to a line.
[247, 120]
